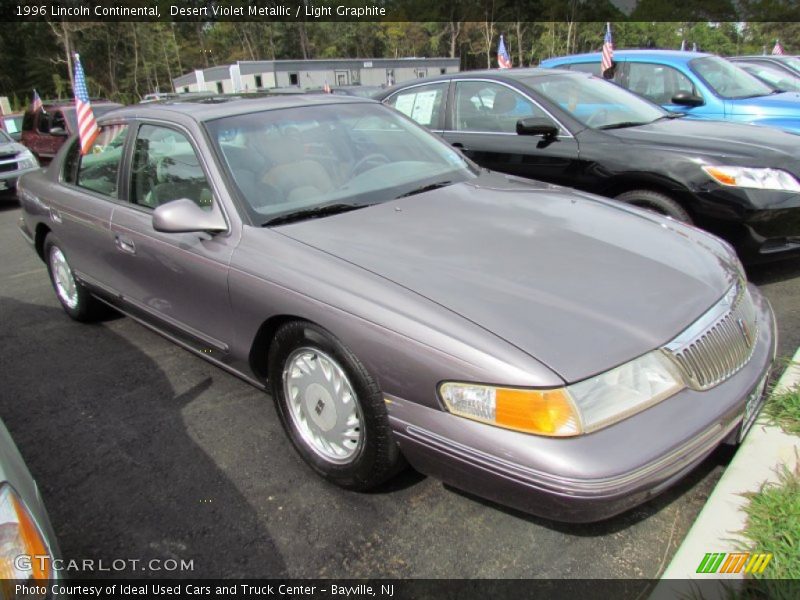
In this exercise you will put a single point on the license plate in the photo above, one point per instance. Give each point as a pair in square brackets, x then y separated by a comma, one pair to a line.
[754, 401]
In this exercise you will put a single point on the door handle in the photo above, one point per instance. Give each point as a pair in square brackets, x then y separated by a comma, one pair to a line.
[125, 244]
[55, 215]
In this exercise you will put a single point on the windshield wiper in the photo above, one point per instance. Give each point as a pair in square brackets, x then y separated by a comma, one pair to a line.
[425, 188]
[313, 213]
[624, 124]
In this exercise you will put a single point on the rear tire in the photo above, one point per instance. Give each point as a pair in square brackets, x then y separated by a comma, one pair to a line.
[331, 408]
[74, 298]
[656, 202]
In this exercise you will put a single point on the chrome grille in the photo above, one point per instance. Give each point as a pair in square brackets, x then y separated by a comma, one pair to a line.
[719, 343]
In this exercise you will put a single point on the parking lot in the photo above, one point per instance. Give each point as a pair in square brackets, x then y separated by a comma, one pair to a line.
[144, 451]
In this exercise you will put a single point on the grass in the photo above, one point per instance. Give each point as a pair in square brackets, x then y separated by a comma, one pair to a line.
[783, 409]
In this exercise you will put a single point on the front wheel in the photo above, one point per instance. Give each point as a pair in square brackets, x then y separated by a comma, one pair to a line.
[656, 202]
[75, 299]
[331, 408]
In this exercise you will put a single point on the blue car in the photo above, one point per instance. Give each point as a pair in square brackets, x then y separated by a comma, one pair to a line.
[701, 85]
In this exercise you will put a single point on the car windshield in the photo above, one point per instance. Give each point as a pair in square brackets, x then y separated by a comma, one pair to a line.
[791, 61]
[595, 102]
[297, 160]
[727, 80]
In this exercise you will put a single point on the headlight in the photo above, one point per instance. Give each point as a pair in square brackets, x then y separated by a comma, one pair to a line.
[26, 160]
[578, 408]
[24, 553]
[762, 179]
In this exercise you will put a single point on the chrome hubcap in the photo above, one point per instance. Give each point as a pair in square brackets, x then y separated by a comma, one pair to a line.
[66, 288]
[323, 405]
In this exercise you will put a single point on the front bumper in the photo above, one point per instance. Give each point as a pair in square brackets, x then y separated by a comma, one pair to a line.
[762, 224]
[8, 179]
[590, 477]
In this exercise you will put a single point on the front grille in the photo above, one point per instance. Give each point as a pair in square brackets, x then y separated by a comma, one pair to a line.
[719, 343]
[8, 166]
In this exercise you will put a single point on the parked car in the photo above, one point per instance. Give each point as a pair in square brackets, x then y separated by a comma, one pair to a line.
[28, 546]
[514, 339]
[570, 128]
[12, 125]
[698, 84]
[780, 74]
[15, 160]
[364, 91]
[45, 130]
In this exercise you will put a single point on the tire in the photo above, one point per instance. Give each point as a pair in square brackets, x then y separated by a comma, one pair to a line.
[74, 298]
[304, 363]
[656, 202]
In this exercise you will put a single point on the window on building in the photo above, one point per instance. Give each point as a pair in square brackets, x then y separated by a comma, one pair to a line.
[259, 81]
[186, 89]
[390, 77]
[421, 72]
[342, 78]
[219, 87]
[294, 79]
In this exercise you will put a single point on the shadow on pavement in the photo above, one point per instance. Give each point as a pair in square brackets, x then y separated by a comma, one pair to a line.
[773, 272]
[102, 431]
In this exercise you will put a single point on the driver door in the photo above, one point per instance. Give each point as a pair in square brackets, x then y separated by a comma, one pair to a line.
[483, 125]
[177, 281]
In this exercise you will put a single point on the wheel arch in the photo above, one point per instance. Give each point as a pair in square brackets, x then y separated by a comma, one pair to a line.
[259, 349]
[38, 238]
[628, 183]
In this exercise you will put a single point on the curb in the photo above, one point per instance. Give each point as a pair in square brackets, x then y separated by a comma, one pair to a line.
[718, 526]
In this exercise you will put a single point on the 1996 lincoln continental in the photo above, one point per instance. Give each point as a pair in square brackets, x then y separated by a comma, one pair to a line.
[551, 350]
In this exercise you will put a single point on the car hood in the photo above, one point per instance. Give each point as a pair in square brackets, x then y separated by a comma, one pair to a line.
[714, 138]
[7, 148]
[786, 104]
[576, 281]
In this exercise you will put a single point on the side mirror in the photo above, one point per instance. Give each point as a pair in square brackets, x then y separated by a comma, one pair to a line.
[537, 126]
[184, 216]
[687, 99]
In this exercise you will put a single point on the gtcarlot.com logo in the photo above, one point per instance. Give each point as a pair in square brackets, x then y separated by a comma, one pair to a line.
[734, 562]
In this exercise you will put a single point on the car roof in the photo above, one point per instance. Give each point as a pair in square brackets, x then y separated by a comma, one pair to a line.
[501, 74]
[214, 107]
[675, 56]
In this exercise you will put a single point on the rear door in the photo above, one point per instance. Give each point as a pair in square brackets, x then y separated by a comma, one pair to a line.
[178, 281]
[482, 122]
[80, 215]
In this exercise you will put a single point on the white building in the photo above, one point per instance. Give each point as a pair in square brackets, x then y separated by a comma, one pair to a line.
[250, 75]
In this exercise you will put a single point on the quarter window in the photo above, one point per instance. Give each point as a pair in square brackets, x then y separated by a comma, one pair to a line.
[422, 103]
[166, 168]
[490, 107]
[657, 83]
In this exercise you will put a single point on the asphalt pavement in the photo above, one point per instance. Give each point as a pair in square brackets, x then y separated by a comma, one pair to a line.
[143, 451]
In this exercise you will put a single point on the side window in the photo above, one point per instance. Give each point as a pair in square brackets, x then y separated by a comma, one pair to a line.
[27, 121]
[491, 107]
[166, 168]
[98, 169]
[58, 124]
[43, 123]
[591, 67]
[658, 83]
[422, 103]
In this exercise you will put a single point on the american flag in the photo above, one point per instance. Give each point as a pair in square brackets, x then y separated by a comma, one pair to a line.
[87, 125]
[503, 59]
[607, 59]
[778, 49]
[36, 103]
